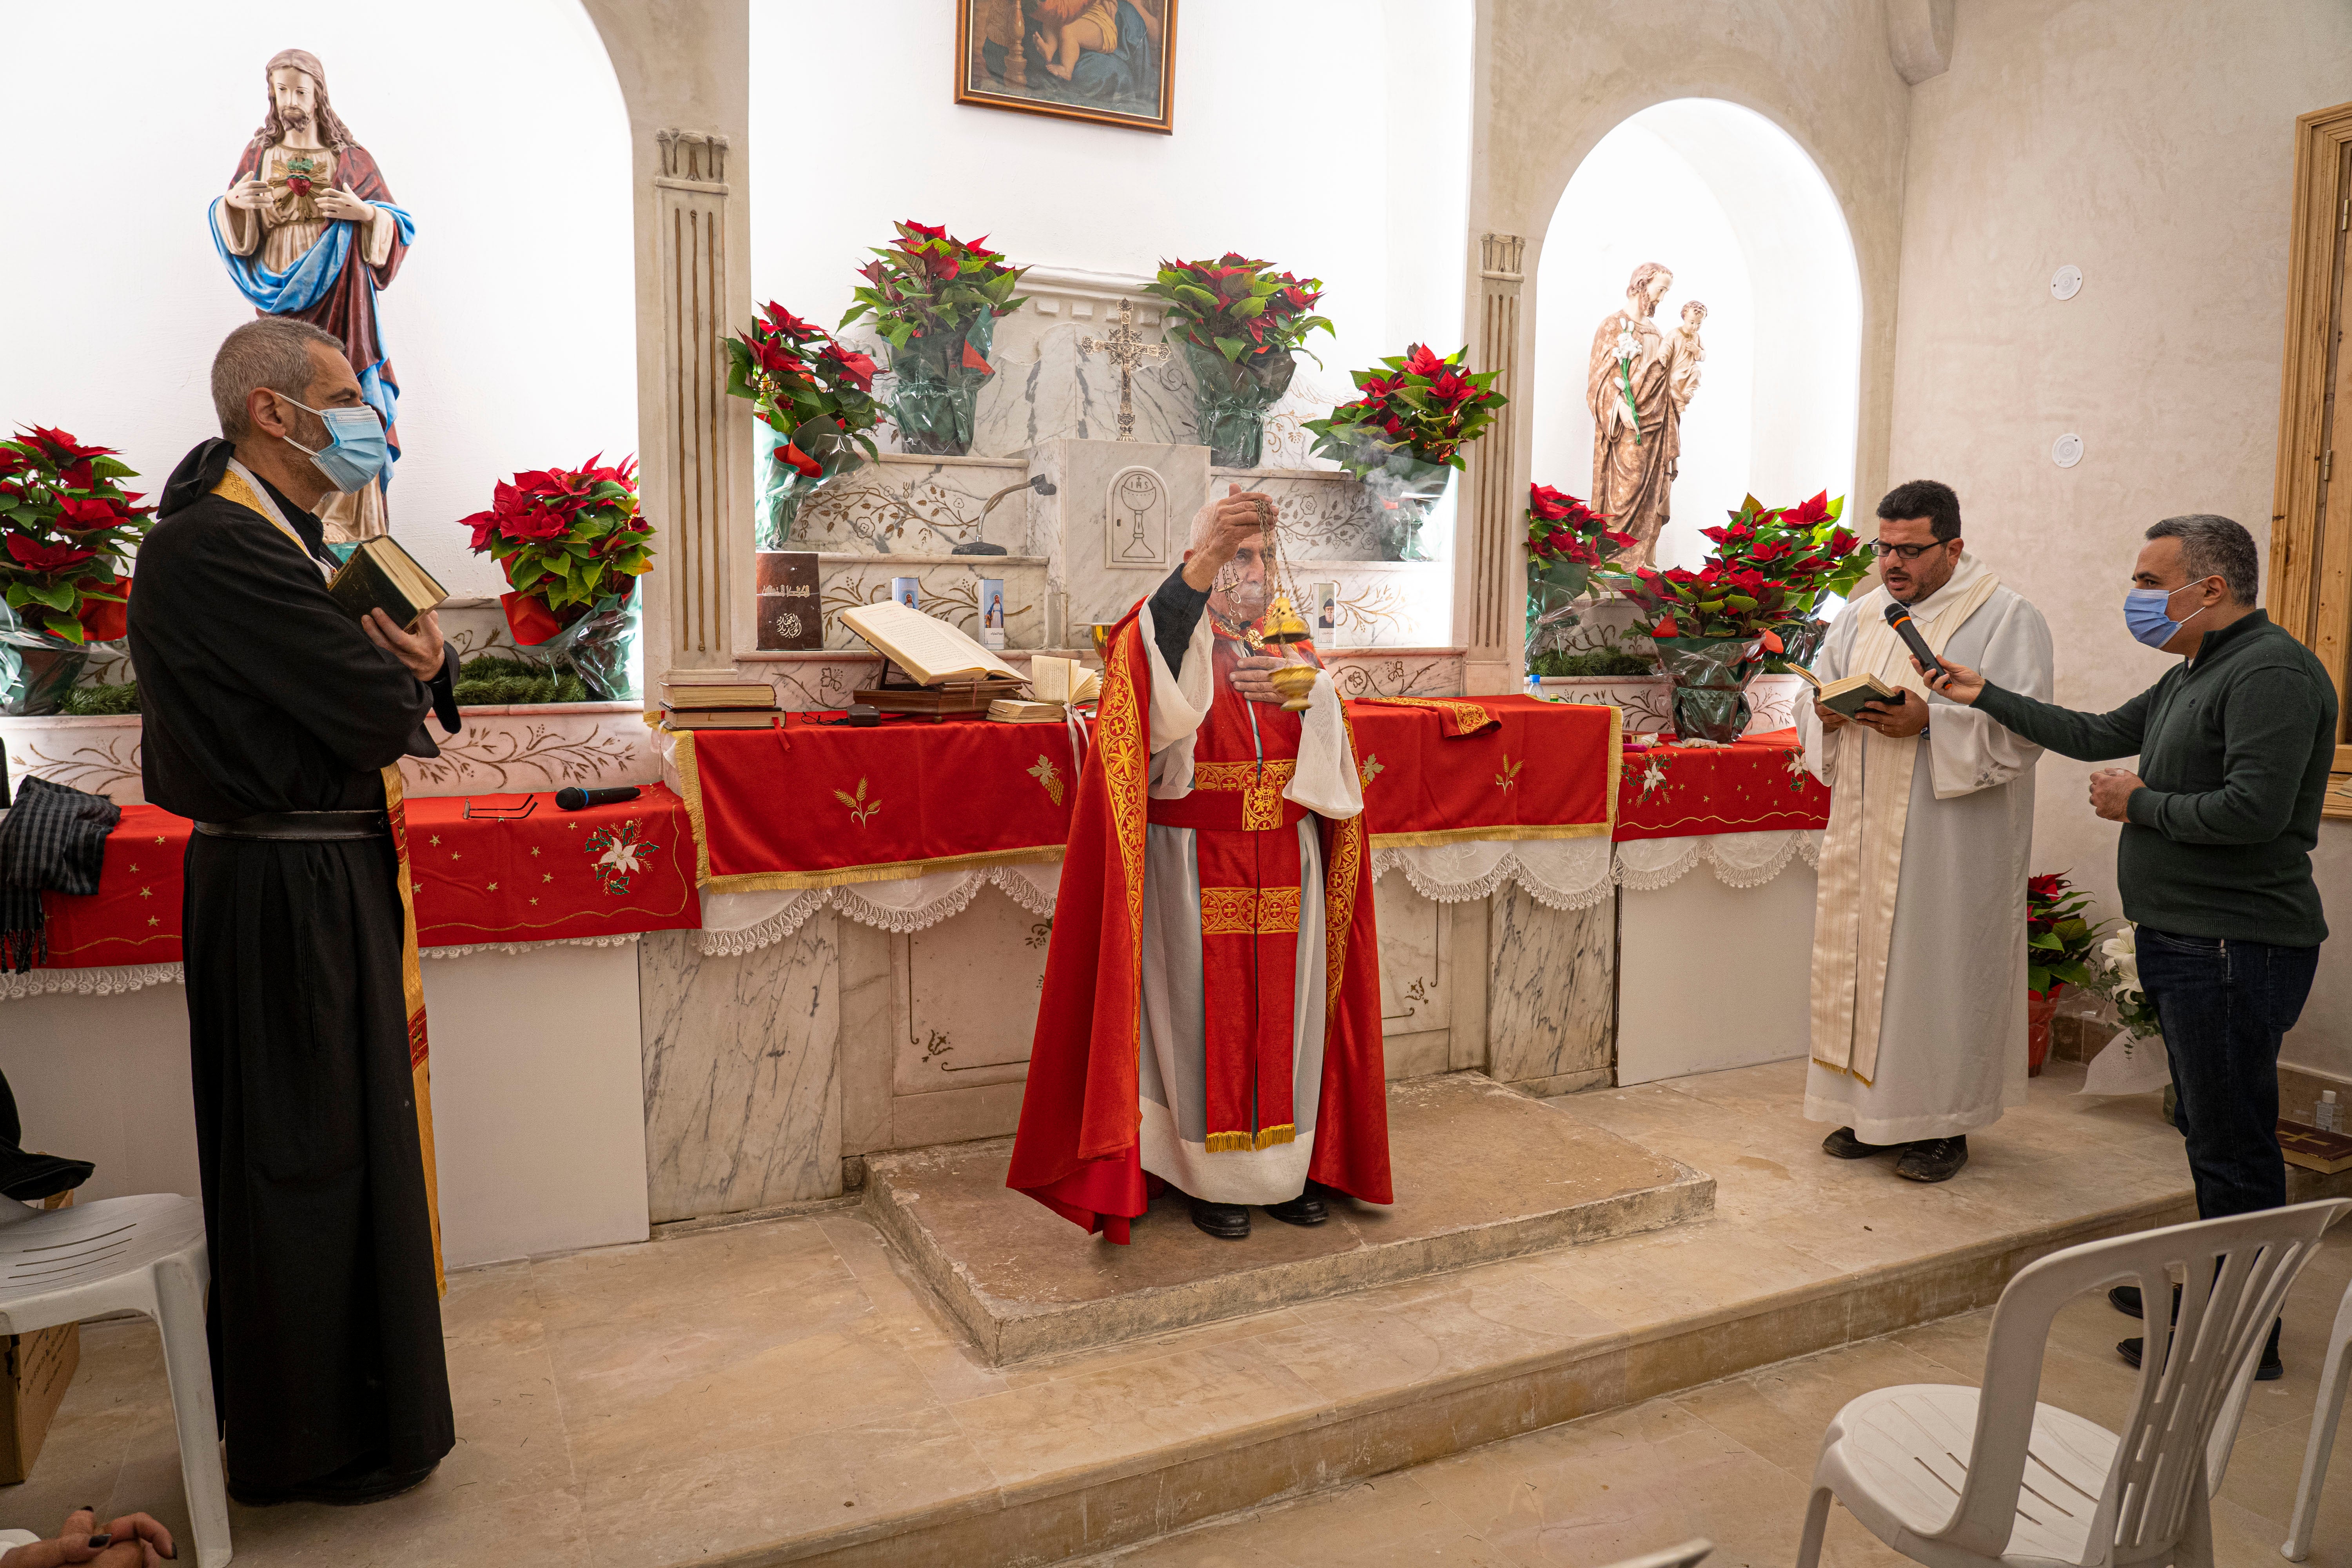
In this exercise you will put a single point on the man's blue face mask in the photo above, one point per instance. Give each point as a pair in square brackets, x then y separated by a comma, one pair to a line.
[2148, 613]
[355, 450]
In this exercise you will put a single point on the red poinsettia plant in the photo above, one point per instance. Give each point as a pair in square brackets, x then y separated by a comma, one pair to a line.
[2059, 939]
[794, 372]
[928, 291]
[1770, 568]
[1564, 531]
[66, 529]
[1424, 409]
[572, 541]
[1238, 308]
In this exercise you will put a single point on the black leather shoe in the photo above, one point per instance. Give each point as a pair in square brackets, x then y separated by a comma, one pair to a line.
[2126, 1298]
[1228, 1222]
[1932, 1159]
[1843, 1144]
[1305, 1209]
[2270, 1370]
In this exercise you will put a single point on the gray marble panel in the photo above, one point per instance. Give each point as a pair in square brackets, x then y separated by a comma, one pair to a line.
[1550, 995]
[866, 987]
[1323, 516]
[1086, 563]
[966, 1004]
[919, 504]
[742, 1093]
[1405, 673]
[1417, 958]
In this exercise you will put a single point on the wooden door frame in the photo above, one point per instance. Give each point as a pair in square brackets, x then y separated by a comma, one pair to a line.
[2311, 520]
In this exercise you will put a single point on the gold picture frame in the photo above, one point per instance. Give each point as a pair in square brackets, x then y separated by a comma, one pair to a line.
[1108, 62]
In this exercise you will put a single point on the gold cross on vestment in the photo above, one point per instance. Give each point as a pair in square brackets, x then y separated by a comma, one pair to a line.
[1127, 350]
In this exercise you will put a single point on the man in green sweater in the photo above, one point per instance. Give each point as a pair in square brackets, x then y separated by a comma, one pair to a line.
[2214, 864]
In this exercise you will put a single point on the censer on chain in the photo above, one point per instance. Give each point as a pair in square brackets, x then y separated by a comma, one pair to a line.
[1294, 682]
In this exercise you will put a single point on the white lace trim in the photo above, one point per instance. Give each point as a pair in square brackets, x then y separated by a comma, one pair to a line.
[1738, 860]
[745, 922]
[1558, 873]
[103, 980]
[87, 982]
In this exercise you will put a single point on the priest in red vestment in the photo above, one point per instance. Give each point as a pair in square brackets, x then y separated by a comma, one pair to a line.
[1211, 1016]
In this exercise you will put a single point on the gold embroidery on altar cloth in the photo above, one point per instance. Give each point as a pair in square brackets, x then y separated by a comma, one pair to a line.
[1469, 718]
[1249, 1143]
[1261, 786]
[1249, 911]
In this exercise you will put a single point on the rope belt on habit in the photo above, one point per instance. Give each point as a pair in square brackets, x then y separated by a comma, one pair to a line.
[302, 824]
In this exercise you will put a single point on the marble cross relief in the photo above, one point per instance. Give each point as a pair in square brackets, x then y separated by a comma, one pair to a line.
[1127, 350]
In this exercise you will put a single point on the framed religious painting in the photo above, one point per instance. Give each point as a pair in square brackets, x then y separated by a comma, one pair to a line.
[1108, 61]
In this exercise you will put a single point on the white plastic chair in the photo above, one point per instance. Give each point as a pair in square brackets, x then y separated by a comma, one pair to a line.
[142, 1255]
[1687, 1555]
[2323, 1417]
[1954, 1479]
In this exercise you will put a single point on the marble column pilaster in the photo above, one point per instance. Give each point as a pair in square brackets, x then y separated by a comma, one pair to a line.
[1490, 584]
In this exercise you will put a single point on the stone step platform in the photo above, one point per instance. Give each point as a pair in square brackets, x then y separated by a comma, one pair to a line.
[1482, 1174]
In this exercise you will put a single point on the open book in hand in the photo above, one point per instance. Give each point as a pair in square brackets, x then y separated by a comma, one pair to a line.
[931, 651]
[1847, 696]
[381, 576]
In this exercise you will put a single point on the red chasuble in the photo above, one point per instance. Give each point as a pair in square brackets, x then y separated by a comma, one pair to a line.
[1077, 1150]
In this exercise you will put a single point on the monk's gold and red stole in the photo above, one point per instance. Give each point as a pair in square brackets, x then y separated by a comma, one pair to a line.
[1246, 845]
[1077, 1150]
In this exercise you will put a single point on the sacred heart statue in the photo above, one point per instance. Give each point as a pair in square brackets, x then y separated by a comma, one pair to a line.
[309, 229]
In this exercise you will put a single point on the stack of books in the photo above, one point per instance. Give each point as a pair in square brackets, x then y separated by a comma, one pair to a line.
[729, 704]
[1020, 711]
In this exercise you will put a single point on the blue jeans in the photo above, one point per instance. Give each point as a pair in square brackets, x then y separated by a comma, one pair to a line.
[2224, 1007]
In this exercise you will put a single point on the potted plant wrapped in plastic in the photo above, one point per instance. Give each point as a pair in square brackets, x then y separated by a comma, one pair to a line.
[1241, 326]
[1403, 435]
[935, 301]
[572, 544]
[1715, 628]
[66, 527]
[815, 399]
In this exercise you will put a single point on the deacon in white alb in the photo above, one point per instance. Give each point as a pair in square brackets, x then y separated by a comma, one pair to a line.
[1918, 995]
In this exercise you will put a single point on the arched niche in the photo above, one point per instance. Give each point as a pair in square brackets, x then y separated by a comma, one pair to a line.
[1729, 201]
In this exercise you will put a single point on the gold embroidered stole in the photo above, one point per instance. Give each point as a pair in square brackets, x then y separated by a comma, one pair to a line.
[1862, 852]
[233, 487]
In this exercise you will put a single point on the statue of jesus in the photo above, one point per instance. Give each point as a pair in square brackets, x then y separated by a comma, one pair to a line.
[1641, 380]
[309, 229]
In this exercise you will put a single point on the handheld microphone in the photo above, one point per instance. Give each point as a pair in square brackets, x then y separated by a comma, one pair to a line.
[578, 799]
[1899, 617]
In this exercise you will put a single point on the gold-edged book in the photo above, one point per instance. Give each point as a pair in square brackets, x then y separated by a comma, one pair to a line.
[1846, 696]
[2313, 1149]
[700, 695]
[931, 651]
[1017, 711]
[381, 576]
[720, 718]
[1064, 680]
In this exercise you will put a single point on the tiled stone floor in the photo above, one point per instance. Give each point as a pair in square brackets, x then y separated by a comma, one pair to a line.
[1733, 1460]
[748, 1392]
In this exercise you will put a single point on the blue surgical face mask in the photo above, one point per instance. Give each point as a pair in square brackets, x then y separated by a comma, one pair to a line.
[2148, 613]
[355, 450]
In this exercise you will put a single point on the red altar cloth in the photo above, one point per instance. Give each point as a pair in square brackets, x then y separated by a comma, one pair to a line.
[818, 804]
[604, 871]
[1755, 784]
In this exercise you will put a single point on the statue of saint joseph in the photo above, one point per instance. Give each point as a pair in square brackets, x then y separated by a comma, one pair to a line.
[308, 229]
[1641, 381]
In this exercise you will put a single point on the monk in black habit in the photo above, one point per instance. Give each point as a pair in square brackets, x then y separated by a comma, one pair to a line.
[270, 714]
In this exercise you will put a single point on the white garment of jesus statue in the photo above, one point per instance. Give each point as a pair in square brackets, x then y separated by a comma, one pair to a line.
[1918, 988]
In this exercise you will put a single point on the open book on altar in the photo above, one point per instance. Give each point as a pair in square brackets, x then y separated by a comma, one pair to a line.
[930, 650]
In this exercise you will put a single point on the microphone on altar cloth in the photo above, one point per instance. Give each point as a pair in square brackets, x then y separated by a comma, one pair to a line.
[1899, 617]
[578, 799]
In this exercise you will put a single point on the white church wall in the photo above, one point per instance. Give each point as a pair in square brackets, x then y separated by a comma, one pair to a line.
[2147, 142]
[499, 128]
[1557, 76]
[1734, 206]
[1347, 161]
